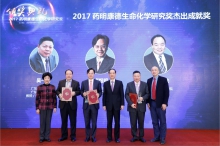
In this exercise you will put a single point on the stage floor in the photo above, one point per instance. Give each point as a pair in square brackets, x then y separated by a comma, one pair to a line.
[175, 137]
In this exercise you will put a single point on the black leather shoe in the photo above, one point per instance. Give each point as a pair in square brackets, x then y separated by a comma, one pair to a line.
[93, 140]
[48, 140]
[62, 139]
[87, 139]
[108, 140]
[142, 139]
[162, 141]
[117, 141]
[73, 139]
[133, 139]
[154, 140]
[41, 140]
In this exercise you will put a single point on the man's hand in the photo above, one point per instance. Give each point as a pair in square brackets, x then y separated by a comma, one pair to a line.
[164, 106]
[148, 105]
[73, 93]
[122, 107]
[141, 98]
[38, 111]
[54, 110]
[104, 107]
[133, 105]
[61, 97]
[84, 94]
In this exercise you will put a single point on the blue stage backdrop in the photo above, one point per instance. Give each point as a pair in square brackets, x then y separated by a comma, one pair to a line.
[190, 27]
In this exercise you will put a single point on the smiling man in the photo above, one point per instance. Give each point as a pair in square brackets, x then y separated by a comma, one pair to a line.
[43, 60]
[102, 62]
[157, 57]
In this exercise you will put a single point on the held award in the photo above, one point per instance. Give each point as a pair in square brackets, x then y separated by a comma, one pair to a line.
[133, 98]
[92, 97]
[67, 93]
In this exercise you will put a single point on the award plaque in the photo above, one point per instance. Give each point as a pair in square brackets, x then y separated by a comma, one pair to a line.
[67, 93]
[133, 97]
[92, 97]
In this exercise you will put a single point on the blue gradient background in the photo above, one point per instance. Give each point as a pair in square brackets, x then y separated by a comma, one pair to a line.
[194, 76]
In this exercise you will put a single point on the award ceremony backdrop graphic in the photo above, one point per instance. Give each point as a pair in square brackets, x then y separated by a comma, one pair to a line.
[190, 27]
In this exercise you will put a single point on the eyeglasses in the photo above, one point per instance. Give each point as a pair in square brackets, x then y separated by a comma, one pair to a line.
[99, 46]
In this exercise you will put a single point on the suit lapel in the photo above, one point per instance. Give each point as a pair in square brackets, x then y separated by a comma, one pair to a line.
[40, 62]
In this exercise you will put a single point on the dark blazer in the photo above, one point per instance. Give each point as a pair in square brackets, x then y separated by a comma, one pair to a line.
[150, 61]
[113, 98]
[85, 87]
[37, 64]
[107, 64]
[75, 88]
[144, 93]
[162, 91]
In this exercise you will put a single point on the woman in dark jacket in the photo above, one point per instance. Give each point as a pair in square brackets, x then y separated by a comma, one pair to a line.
[46, 104]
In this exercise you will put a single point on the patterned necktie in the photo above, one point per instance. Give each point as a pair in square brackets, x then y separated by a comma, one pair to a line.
[90, 86]
[162, 67]
[47, 65]
[112, 85]
[154, 90]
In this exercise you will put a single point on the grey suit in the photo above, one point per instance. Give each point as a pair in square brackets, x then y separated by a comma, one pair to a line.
[37, 64]
[137, 114]
[107, 64]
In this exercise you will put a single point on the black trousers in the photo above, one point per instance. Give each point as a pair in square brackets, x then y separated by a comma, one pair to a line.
[65, 112]
[90, 114]
[116, 114]
[45, 123]
[137, 117]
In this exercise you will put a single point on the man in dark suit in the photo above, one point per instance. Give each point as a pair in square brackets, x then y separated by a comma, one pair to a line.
[137, 112]
[102, 62]
[113, 102]
[157, 57]
[157, 103]
[68, 108]
[90, 111]
[43, 60]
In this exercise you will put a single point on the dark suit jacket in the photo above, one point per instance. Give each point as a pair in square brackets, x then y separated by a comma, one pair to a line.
[75, 88]
[113, 98]
[150, 61]
[162, 91]
[107, 64]
[144, 93]
[37, 64]
[85, 87]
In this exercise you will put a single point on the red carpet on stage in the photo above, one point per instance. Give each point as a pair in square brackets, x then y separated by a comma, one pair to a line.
[174, 137]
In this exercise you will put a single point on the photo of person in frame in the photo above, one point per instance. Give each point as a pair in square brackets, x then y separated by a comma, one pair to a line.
[102, 62]
[44, 58]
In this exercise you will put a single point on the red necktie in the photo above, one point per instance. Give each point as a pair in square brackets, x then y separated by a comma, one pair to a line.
[154, 90]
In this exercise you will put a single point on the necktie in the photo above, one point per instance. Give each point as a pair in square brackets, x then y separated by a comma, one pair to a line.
[162, 67]
[90, 86]
[137, 88]
[112, 85]
[47, 65]
[154, 90]
[68, 84]
[98, 65]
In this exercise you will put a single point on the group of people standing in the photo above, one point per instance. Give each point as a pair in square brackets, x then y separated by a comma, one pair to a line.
[153, 94]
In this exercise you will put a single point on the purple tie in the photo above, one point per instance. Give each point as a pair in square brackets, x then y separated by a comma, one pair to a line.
[112, 85]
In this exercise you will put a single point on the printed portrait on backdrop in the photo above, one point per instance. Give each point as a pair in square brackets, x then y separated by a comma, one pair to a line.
[100, 57]
[158, 55]
[44, 58]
